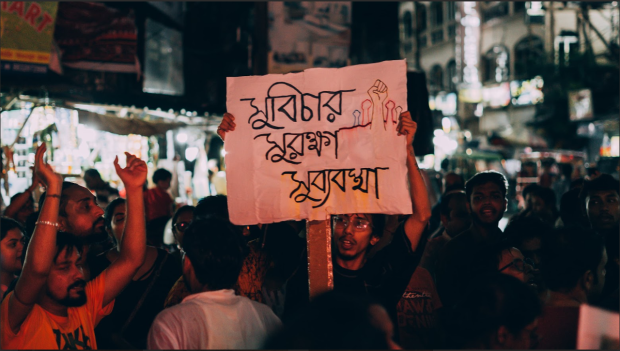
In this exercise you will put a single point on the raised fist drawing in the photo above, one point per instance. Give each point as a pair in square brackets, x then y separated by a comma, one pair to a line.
[378, 92]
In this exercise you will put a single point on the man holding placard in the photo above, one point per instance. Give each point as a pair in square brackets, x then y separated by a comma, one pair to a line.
[327, 144]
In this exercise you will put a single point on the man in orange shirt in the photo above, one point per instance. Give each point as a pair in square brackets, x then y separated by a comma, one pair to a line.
[52, 307]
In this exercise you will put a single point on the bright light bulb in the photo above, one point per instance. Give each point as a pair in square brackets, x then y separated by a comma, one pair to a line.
[446, 124]
[182, 138]
[191, 153]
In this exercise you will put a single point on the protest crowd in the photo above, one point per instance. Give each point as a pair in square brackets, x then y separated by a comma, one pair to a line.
[90, 269]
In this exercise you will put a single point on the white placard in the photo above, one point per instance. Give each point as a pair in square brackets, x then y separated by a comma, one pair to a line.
[315, 143]
[598, 329]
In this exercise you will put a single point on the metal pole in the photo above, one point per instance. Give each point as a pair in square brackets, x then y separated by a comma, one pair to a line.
[600, 36]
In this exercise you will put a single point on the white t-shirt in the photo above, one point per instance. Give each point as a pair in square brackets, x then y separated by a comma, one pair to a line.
[213, 320]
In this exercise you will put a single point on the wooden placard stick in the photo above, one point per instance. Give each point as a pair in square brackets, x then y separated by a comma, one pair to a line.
[320, 267]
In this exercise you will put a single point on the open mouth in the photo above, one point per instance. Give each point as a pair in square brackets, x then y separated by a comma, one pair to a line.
[487, 211]
[346, 244]
[77, 288]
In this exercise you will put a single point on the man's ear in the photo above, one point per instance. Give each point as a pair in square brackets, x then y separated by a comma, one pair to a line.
[374, 239]
[501, 336]
[587, 280]
[444, 219]
[62, 224]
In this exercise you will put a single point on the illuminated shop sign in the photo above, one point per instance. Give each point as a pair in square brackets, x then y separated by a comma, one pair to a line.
[473, 95]
[470, 26]
[496, 95]
[527, 92]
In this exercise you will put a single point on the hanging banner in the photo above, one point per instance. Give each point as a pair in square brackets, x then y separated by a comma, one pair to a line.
[163, 60]
[94, 37]
[316, 143]
[308, 34]
[26, 33]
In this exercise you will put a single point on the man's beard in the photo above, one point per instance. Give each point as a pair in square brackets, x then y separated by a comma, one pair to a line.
[347, 256]
[97, 234]
[75, 301]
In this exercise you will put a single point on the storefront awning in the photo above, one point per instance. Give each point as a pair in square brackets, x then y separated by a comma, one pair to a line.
[125, 126]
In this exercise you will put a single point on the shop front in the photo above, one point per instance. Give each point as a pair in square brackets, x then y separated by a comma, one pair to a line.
[83, 136]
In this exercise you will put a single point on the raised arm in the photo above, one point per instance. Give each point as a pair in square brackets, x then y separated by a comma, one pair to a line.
[133, 242]
[415, 224]
[20, 200]
[42, 247]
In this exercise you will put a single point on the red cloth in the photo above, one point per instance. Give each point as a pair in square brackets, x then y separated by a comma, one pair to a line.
[157, 203]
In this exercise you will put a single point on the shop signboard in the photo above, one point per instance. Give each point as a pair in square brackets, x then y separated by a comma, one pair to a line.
[496, 95]
[316, 143]
[527, 92]
[580, 105]
[92, 36]
[27, 29]
[308, 34]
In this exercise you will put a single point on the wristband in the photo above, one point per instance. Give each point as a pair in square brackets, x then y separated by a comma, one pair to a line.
[52, 195]
[48, 223]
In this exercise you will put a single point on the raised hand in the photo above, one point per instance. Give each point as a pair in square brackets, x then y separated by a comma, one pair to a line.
[35, 180]
[407, 127]
[227, 125]
[134, 174]
[44, 172]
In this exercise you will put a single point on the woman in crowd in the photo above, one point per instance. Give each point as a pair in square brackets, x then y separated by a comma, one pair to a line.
[136, 307]
[11, 250]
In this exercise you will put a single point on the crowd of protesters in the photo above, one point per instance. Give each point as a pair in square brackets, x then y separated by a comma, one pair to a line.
[90, 269]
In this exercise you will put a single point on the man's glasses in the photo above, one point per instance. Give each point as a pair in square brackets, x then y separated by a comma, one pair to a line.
[519, 264]
[182, 226]
[358, 223]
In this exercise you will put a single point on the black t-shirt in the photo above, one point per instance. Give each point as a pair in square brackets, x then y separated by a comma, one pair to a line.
[384, 277]
[166, 271]
[454, 266]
